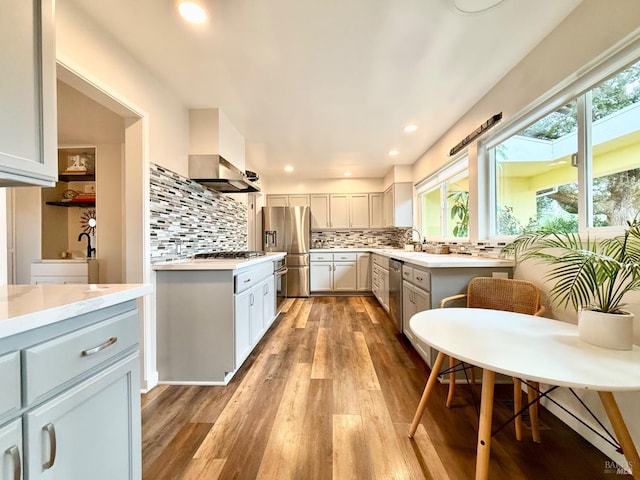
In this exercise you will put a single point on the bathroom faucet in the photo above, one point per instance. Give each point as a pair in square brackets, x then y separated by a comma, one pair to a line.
[89, 249]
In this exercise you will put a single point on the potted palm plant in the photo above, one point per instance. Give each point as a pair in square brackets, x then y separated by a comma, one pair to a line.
[591, 275]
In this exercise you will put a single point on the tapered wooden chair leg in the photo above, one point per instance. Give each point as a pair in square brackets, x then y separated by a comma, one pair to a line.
[517, 406]
[534, 396]
[452, 381]
[431, 382]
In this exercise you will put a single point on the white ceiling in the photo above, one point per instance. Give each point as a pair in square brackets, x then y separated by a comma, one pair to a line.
[327, 85]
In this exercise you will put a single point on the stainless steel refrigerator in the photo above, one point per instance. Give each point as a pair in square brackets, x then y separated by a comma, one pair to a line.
[288, 229]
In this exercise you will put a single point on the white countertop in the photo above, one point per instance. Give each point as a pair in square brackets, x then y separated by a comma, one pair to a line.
[25, 307]
[427, 259]
[218, 264]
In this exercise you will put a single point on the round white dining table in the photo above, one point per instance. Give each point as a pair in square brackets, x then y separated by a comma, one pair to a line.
[533, 348]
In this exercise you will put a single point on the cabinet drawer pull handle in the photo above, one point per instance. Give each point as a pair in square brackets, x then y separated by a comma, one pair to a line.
[247, 280]
[14, 453]
[51, 432]
[91, 351]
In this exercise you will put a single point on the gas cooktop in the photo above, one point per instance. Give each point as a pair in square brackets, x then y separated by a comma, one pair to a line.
[224, 255]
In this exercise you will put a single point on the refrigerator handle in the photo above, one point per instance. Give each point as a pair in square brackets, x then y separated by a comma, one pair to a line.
[270, 238]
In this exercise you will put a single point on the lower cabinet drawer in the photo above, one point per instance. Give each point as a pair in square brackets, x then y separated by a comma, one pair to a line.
[345, 257]
[248, 278]
[9, 382]
[422, 279]
[52, 363]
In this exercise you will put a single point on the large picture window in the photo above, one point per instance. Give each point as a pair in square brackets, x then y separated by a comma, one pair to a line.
[580, 159]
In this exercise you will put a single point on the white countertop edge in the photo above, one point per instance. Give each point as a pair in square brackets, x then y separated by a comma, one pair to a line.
[26, 307]
[217, 264]
[426, 259]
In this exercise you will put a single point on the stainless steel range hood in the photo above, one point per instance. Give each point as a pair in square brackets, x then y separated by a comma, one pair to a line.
[218, 174]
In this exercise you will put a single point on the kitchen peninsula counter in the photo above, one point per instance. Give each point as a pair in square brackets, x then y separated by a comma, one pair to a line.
[26, 307]
[218, 264]
[427, 260]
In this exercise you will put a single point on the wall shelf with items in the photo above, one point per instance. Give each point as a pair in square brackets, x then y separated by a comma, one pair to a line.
[75, 164]
[68, 177]
[73, 204]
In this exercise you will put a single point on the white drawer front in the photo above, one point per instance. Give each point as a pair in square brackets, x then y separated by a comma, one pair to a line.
[57, 361]
[248, 278]
[422, 279]
[60, 269]
[407, 273]
[321, 257]
[10, 382]
[345, 257]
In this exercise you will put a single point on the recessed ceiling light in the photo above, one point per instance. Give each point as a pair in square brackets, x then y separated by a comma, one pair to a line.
[288, 168]
[393, 153]
[410, 128]
[192, 12]
[347, 174]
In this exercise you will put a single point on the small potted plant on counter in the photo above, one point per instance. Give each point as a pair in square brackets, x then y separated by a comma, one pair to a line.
[593, 275]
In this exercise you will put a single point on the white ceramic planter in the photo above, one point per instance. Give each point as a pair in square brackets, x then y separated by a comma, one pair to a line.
[608, 330]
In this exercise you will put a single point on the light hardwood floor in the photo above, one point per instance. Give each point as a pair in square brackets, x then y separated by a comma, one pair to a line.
[329, 393]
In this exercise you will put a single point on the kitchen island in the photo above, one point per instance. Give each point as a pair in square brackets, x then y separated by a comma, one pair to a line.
[69, 367]
[211, 313]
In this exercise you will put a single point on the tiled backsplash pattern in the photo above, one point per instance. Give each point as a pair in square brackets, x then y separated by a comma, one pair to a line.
[389, 237]
[187, 215]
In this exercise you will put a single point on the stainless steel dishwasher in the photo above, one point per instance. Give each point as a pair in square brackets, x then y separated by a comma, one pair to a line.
[395, 292]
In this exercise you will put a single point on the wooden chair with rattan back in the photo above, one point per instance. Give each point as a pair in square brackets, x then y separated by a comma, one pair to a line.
[510, 295]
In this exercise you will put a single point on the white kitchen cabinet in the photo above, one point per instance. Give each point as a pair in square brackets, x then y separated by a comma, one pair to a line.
[292, 200]
[11, 461]
[277, 200]
[415, 300]
[359, 210]
[339, 211]
[321, 276]
[376, 214]
[268, 302]
[89, 431]
[243, 322]
[380, 279]
[298, 200]
[28, 122]
[333, 272]
[364, 272]
[345, 276]
[349, 210]
[398, 205]
[319, 211]
[78, 399]
[64, 271]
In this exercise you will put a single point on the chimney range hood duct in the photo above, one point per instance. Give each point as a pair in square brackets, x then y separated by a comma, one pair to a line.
[218, 174]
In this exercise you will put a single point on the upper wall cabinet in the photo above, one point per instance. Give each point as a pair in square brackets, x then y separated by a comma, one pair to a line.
[287, 200]
[398, 205]
[319, 211]
[349, 210]
[28, 144]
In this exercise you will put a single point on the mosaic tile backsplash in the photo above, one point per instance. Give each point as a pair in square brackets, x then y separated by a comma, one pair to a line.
[188, 217]
[377, 238]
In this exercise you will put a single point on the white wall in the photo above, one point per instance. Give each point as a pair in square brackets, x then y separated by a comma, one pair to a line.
[592, 28]
[157, 131]
[87, 50]
[589, 31]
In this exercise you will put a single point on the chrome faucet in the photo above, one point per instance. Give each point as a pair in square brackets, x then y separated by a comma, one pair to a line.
[409, 234]
[89, 249]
